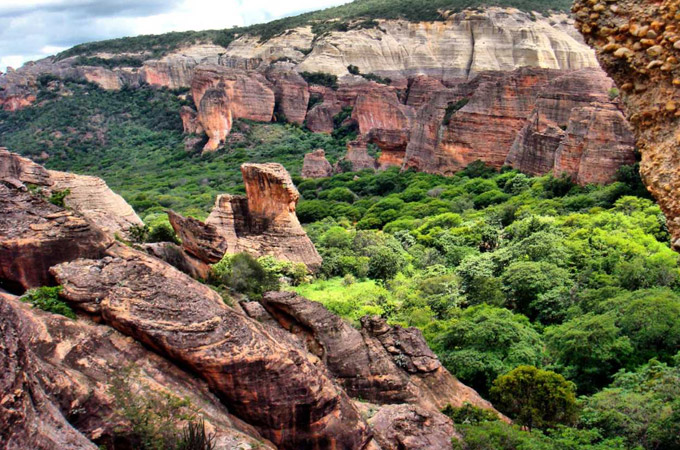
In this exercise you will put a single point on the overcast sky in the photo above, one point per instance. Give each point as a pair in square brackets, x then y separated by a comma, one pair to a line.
[33, 29]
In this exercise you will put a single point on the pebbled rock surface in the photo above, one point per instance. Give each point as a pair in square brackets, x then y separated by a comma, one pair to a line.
[315, 165]
[58, 376]
[637, 45]
[35, 235]
[259, 378]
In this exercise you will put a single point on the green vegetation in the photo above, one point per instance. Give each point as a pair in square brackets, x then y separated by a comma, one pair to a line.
[47, 299]
[57, 197]
[453, 108]
[320, 78]
[154, 420]
[354, 70]
[355, 15]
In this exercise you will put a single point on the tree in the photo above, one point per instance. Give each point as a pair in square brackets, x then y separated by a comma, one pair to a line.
[524, 281]
[536, 398]
[384, 264]
[485, 342]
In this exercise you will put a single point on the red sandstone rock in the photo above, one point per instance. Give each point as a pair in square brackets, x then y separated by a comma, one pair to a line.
[36, 234]
[291, 92]
[269, 384]
[602, 130]
[198, 239]
[222, 94]
[190, 121]
[315, 165]
[358, 157]
[57, 383]
[177, 257]
[410, 427]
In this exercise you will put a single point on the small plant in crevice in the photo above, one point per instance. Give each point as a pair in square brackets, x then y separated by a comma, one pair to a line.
[453, 108]
[57, 197]
[47, 299]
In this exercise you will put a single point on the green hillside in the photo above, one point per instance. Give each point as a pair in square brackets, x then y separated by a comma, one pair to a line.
[359, 13]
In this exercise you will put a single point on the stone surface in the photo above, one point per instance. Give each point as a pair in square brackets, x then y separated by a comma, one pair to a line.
[291, 93]
[357, 156]
[94, 200]
[190, 122]
[271, 386]
[223, 94]
[649, 89]
[409, 427]
[315, 165]
[57, 382]
[264, 222]
[88, 196]
[379, 363]
[198, 239]
[35, 235]
[177, 257]
[575, 128]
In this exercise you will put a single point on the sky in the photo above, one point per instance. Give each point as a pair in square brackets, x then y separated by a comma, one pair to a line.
[33, 29]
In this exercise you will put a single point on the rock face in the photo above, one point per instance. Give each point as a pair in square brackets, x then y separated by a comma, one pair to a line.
[575, 128]
[636, 43]
[259, 378]
[410, 427]
[200, 240]
[89, 196]
[59, 375]
[357, 156]
[222, 94]
[379, 363]
[531, 119]
[315, 165]
[36, 235]
[178, 258]
[291, 93]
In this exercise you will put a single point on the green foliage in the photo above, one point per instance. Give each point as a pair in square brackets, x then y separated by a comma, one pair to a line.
[47, 299]
[153, 419]
[535, 398]
[453, 108]
[244, 274]
[57, 197]
[321, 78]
[110, 63]
[485, 342]
[469, 414]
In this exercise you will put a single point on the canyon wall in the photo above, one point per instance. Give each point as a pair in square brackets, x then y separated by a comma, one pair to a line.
[638, 44]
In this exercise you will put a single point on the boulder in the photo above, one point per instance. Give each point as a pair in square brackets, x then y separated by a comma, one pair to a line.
[35, 235]
[19, 170]
[270, 385]
[190, 122]
[199, 239]
[410, 427]
[315, 165]
[177, 257]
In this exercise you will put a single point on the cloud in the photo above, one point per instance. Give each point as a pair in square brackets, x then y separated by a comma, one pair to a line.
[34, 29]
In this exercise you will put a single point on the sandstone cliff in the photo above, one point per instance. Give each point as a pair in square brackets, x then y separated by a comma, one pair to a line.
[637, 44]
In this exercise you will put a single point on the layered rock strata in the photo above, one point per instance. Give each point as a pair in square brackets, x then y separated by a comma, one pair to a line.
[60, 375]
[261, 223]
[89, 196]
[315, 165]
[637, 44]
[269, 385]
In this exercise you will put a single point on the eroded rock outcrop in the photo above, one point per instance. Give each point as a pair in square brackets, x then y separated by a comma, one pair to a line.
[272, 386]
[576, 128]
[89, 196]
[400, 427]
[35, 235]
[379, 363]
[222, 94]
[357, 157]
[315, 165]
[637, 44]
[291, 93]
[59, 375]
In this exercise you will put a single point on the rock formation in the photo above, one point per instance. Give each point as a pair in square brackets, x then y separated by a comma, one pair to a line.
[637, 44]
[89, 196]
[261, 223]
[267, 384]
[357, 156]
[35, 235]
[59, 375]
[291, 93]
[315, 165]
[178, 258]
[222, 95]
[403, 426]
